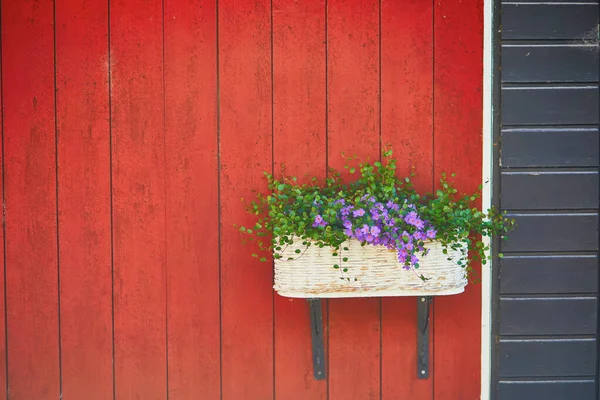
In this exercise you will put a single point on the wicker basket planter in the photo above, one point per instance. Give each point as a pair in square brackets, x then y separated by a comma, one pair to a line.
[372, 271]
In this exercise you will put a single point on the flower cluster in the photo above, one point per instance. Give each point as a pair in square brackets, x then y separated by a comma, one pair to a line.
[377, 209]
[396, 227]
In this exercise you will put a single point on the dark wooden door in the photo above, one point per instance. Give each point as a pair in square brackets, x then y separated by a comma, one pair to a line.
[546, 295]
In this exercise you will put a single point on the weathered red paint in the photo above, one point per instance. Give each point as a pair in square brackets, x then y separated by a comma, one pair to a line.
[407, 126]
[82, 111]
[195, 119]
[353, 116]
[3, 383]
[300, 143]
[192, 199]
[246, 151]
[138, 171]
[30, 206]
[457, 148]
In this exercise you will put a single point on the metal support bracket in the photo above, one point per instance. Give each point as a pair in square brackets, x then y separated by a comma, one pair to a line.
[423, 306]
[318, 342]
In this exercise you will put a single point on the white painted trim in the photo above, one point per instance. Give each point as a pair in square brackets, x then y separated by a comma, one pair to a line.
[486, 198]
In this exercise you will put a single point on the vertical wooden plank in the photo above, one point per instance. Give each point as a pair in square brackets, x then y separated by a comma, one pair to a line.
[30, 189]
[300, 143]
[136, 62]
[406, 125]
[192, 200]
[458, 148]
[84, 198]
[353, 116]
[3, 366]
[245, 151]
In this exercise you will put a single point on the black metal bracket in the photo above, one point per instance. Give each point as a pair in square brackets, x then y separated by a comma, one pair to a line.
[423, 306]
[318, 342]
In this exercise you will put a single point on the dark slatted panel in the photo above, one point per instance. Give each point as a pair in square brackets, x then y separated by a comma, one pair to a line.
[548, 316]
[543, 105]
[546, 298]
[547, 390]
[549, 274]
[546, 358]
[549, 21]
[550, 147]
[553, 232]
[549, 63]
[549, 190]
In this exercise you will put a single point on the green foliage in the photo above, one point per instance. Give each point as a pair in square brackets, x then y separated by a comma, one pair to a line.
[315, 213]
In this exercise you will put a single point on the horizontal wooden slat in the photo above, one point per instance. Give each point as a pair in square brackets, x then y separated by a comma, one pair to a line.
[548, 316]
[542, 105]
[548, 274]
[547, 390]
[549, 21]
[549, 63]
[553, 232]
[543, 190]
[550, 147]
[539, 358]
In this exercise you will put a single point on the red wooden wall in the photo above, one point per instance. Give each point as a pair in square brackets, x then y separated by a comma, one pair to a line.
[131, 129]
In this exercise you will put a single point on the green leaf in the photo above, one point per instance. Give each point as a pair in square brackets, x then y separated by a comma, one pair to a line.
[336, 266]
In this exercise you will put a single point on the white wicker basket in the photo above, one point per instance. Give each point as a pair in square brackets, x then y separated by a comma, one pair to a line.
[373, 271]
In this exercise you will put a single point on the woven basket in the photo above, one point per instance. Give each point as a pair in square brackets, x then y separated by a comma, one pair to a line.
[372, 271]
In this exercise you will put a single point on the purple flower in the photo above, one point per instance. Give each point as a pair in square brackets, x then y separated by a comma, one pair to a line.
[419, 223]
[319, 221]
[420, 235]
[392, 206]
[409, 246]
[365, 229]
[375, 231]
[340, 201]
[347, 224]
[414, 259]
[402, 254]
[346, 210]
[375, 214]
[431, 233]
[358, 213]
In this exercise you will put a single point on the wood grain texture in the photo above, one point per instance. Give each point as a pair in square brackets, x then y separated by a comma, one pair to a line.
[548, 316]
[246, 151]
[353, 117]
[84, 199]
[300, 143]
[138, 166]
[547, 358]
[458, 148]
[3, 363]
[192, 200]
[407, 127]
[30, 190]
